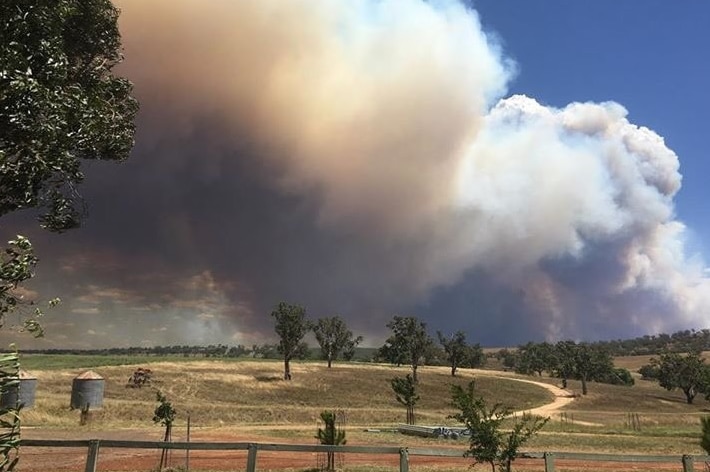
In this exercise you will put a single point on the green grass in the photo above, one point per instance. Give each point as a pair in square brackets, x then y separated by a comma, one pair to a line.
[33, 362]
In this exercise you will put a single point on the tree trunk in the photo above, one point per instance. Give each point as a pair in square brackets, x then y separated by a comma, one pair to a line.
[508, 465]
[331, 460]
[330, 361]
[287, 369]
[564, 382]
[689, 395]
[453, 369]
[414, 373]
[584, 385]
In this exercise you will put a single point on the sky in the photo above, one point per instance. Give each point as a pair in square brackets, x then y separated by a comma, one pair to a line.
[521, 171]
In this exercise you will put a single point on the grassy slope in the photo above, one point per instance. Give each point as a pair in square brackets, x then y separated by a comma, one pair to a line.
[220, 392]
[251, 394]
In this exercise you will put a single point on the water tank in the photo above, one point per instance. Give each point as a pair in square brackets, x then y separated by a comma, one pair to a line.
[87, 389]
[23, 393]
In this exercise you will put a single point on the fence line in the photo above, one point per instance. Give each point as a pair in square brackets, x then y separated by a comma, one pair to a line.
[93, 447]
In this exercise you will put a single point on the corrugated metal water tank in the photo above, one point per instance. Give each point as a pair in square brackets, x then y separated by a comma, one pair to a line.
[87, 388]
[24, 392]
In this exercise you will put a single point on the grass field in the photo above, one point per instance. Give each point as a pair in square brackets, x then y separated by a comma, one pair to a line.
[238, 396]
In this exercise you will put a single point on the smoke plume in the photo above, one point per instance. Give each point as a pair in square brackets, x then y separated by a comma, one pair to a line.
[361, 158]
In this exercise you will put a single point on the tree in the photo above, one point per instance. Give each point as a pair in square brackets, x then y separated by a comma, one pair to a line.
[592, 363]
[349, 350]
[507, 357]
[291, 326]
[458, 352]
[330, 436]
[618, 376]
[564, 363]
[648, 372]
[535, 358]
[408, 343]
[17, 263]
[165, 415]
[405, 390]
[60, 103]
[686, 372]
[475, 357]
[582, 361]
[334, 338]
[488, 443]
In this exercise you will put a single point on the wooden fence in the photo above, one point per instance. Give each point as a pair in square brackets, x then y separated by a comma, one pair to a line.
[685, 463]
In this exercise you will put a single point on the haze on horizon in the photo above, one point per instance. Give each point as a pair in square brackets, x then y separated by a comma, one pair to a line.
[364, 159]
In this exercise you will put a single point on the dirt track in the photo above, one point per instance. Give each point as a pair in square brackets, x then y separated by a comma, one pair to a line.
[66, 460]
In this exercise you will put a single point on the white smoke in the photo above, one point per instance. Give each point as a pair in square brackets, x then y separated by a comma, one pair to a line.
[386, 113]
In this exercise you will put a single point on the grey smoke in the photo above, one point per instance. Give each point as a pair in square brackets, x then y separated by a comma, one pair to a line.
[360, 158]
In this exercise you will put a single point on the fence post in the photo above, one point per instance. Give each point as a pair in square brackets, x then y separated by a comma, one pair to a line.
[251, 458]
[687, 463]
[549, 462]
[92, 456]
[403, 460]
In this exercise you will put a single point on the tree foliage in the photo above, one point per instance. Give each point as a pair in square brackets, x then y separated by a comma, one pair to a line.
[10, 416]
[687, 372]
[330, 435]
[291, 326]
[405, 390]
[535, 358]
[583, 361]
[17, 264]
[334, 338]
[165, 415]
[488, 442]
[408, 343]
[59, 103]
[507, 357]
[458, 352]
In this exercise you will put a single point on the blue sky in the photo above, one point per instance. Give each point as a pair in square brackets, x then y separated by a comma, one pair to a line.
[652, 57]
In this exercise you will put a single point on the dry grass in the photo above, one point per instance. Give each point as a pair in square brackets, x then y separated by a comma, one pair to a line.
[218, 393]
[250, 396]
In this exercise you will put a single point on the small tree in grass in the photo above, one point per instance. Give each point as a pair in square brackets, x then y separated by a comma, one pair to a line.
[330, 436]
[488, 443]
[405, 389]
[165, 415]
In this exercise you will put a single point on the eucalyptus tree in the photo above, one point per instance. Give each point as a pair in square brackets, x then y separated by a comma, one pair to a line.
[60, 105]
[408, 343]
[334, 338]
[291, 326]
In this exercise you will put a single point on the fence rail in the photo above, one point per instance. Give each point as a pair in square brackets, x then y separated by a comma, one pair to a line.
[93, 447]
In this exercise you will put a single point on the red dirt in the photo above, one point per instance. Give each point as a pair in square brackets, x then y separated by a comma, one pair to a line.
[36, 459]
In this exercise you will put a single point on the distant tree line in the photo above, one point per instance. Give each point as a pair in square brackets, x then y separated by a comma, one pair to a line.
[566, 360]
[689, 340]
[258, 351]
[680, 364]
